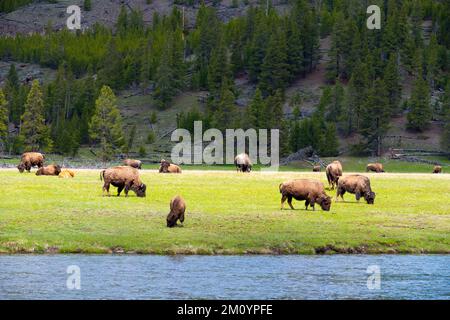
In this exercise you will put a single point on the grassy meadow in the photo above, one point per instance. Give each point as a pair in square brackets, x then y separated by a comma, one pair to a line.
[227, 213]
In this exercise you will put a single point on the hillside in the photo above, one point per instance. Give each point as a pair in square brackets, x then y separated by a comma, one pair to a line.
[37, 15]
[287, 54]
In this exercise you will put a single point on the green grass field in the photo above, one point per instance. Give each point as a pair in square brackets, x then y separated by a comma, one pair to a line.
[227, 213]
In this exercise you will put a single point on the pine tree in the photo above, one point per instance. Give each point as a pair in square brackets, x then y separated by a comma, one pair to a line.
[35, 132]
[330, 143]
[106, 124]
[3, 120]
[420, 112]
[225, 116]
[164, 90]
[392, 81]
[375, 116]
[218, 68]
[334, 112]
[87, 5]
[445, 139]
[275, 69]
[12, 88]
[356, 97]
[254, 111]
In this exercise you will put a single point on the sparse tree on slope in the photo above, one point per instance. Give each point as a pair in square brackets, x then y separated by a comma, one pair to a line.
[3, 120]
[35, 132]
[106, 124]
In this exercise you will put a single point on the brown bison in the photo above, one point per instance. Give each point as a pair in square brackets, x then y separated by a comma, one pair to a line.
[334, 171]
[312, 191]
[375, 167]
[30, 159]
[123, 177]
[177, 210]
[167, 167]
[51, 170]
[358, 185]
[66, 173]
[316, 169]
[437, 169]
[243, 163]
[133, 163]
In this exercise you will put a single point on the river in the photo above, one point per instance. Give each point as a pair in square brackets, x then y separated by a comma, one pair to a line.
[224, 277]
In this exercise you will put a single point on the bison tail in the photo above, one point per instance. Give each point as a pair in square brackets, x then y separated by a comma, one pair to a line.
[281, 184]
[102, 175]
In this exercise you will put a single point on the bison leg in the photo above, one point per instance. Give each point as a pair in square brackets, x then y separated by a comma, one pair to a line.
[283, 199]
[182, 218]
[119, 190]
[127, 188]
[358, 196]
[340, 192]
[106, 188]
[306, 205]
[290, 202]
[312, 203]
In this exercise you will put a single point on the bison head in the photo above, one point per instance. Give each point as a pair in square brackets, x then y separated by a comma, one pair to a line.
[324, 201]
[140, 191]
[171, 220]
[21, 167]
[369, 196]
[164, 166]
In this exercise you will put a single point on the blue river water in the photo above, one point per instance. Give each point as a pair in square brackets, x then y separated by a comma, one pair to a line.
[224, 277]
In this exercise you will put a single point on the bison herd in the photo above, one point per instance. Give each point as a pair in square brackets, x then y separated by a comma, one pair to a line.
[126, 178]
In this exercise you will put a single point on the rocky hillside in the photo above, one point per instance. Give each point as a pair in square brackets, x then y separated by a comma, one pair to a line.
[37, 15]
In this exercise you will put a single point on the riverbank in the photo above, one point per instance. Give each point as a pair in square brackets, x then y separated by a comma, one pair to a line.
[227, 213]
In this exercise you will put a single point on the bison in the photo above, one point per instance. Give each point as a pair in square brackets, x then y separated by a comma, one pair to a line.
[316, 169]
[358, 185]
[167, 167]
[51, 170]
[66, 173]
[375, 167]
[333, 171]
[243, 163]
[437, 169]
[177, 210]
[133, 163]
[123, 177]
[30, 159]
[312, 191]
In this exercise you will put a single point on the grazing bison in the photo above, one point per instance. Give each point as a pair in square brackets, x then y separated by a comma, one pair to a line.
[243, 163]
[51, 170]
[167, 167]
[177, 210]
[375, 167]
[333, 171]
[133, 163]
[437, 169]
[66, 173]
[358, 185]
[30, 159]
[123, 177]
[316, 169]
[312, 191]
